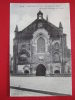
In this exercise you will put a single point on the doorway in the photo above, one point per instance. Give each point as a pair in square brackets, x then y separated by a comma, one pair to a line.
[57, 72]
[40, 70]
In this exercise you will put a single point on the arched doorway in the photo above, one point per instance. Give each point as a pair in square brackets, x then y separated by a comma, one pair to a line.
[40, 70]
[57, 71]
[26, 72]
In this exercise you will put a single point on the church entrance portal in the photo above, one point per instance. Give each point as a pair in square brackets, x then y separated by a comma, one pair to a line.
[40, 70]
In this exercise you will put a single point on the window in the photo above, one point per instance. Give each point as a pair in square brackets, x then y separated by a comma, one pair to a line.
[40, 45]
[56, 57]
[56, 45]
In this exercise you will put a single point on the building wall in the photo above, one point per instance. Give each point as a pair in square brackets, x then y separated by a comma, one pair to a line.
[25, 51]
[26, 57]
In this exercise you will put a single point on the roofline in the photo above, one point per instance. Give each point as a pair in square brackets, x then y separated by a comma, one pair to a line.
[35, 21]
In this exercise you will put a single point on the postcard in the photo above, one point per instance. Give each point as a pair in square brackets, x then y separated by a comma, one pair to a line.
[40, 49]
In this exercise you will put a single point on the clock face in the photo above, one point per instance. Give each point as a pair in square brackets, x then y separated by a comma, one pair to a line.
[39, 25]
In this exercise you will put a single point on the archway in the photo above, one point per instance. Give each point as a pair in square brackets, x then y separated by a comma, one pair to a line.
[40, 70]
[26, 72]
[57, 71]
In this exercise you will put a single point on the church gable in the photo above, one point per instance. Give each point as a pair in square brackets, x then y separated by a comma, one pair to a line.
[40, 22]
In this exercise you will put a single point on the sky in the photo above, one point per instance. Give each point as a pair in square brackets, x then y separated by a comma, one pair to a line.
[23, 14]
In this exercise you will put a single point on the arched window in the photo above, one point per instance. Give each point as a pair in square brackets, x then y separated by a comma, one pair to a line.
[56, 45]
[56, 57]
[40, 45]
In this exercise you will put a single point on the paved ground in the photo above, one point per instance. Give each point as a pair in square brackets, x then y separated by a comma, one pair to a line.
[20, 93]
[61, 85]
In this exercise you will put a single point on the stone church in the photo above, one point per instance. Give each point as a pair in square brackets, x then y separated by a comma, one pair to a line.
[40, 49]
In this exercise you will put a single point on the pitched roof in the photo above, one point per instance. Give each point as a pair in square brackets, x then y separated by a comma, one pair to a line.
[29, 30]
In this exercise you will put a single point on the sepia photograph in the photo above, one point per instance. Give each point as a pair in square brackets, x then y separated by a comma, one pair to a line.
[40, 49]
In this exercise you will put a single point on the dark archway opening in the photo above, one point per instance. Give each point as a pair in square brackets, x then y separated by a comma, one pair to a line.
[40, 70]
[57, 72]
[26, 72]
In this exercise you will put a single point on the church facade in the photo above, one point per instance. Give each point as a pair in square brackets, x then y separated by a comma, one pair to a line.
[40, 49]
